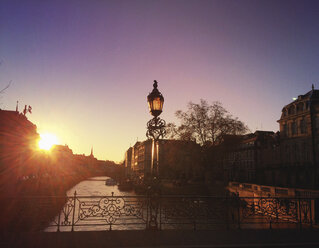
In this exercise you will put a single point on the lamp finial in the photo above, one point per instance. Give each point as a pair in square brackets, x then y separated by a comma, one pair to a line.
[155, 84]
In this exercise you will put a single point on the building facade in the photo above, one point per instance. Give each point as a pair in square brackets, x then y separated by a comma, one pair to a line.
[244, 158]
[172, 159]
[288, 158]
[299, 136]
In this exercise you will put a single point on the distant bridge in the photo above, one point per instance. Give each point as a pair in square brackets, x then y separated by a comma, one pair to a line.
[93, 179]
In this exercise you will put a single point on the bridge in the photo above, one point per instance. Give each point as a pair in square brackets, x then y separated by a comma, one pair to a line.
[160, 212]
[172, 221]
[157, 212]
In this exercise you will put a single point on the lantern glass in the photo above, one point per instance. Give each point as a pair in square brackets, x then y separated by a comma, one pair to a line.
[157, 104]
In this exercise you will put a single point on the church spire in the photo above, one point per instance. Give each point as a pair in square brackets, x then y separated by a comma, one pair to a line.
[91, 152]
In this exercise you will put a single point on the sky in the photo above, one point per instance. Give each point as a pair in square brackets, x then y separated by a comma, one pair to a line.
[87, 66]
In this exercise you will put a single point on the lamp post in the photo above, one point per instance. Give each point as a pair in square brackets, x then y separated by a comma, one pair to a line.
[156, 126]
[155, 131]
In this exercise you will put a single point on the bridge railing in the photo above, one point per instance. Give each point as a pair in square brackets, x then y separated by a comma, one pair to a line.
[183, 212]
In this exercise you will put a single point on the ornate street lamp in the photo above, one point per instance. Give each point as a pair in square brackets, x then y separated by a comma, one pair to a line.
[155, 131]
[156, 126]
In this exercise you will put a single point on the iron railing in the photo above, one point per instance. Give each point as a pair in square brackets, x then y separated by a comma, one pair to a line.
[183, 212]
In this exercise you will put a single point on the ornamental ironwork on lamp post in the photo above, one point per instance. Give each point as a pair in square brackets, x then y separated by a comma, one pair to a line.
[156, 126]
[155, 131]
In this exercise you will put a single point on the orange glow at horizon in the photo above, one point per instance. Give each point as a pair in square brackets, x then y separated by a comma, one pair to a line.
[47, 140]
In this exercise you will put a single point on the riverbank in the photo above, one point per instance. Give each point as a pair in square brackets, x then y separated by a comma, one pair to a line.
[30, 205]
[169, 188]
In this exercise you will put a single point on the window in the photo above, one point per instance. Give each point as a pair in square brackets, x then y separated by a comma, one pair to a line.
[302, 125]
[285, 130]
[307, 150]
[303, 151]
[296, 152]
[293, 128]
[300, 107]
[291, 110]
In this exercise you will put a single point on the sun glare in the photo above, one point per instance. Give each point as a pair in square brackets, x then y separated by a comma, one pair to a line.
[47, 140]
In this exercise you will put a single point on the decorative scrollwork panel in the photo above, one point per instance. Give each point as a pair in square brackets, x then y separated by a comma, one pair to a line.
[305, 214]
[111, 210]
[275, 210]
[67, 213]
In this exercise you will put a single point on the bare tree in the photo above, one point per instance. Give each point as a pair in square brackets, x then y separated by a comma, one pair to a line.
[205, 123]
[7, 86]
[4, 89]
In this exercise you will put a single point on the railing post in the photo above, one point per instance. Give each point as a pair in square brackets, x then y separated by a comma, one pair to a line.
[310, 209]
[153, 216]
[299, 208]
[195, 210]
[59, 219]
[112, 195]
[147, 210]
[238, 212]
[227, 212]
[160, 212]
[73, 214]
[275, 202]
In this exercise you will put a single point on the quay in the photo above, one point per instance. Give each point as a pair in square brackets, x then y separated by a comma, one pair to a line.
[166, 238]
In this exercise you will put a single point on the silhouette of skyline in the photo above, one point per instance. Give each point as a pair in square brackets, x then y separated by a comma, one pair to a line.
[86, 67]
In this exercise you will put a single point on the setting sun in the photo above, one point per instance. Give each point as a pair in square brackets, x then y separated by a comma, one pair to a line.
[47, 140]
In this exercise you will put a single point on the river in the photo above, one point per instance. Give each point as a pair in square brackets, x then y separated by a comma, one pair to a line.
[95, 186]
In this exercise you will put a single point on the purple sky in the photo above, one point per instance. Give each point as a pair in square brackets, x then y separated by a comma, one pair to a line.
[86, 67]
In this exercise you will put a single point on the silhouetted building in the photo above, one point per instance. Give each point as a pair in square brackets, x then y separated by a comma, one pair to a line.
[177, 159]
[128, 161]
[18, 139]
[62, 160]
[141, 158]
[85, 161]
[246, 155]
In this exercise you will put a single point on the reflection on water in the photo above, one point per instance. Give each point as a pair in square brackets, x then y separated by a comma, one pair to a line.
[95, 186]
